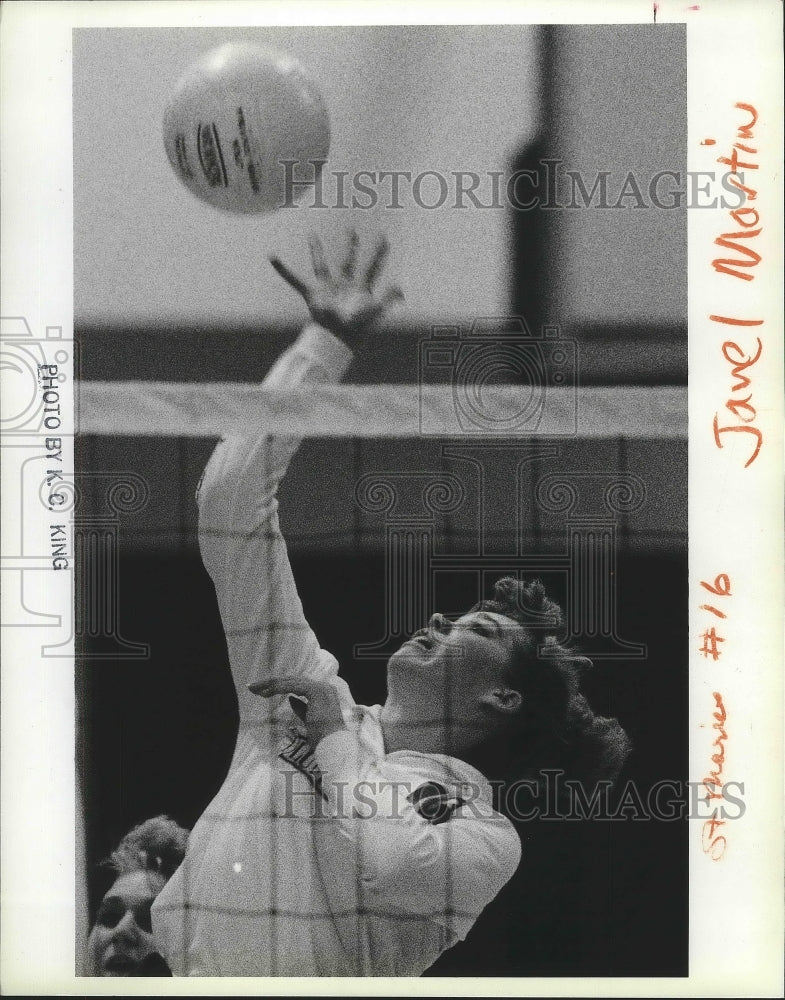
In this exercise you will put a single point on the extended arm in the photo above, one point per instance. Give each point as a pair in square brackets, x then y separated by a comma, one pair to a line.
[240, 539]
[239, 534]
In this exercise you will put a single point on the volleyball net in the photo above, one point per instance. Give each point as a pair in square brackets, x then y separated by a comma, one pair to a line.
[177, 409]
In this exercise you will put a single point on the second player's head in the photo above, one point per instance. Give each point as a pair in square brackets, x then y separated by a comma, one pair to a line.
[121, 939]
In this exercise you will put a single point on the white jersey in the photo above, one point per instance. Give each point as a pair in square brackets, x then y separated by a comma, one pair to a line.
[334, 860]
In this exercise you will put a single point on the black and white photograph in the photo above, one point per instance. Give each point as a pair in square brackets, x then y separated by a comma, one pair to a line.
[399, 526]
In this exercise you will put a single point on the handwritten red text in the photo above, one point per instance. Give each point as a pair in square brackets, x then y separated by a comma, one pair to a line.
[714, 843]
[741, 358]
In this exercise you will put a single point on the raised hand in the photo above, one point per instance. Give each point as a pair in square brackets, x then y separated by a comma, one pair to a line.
[346, 302]
[324, 714]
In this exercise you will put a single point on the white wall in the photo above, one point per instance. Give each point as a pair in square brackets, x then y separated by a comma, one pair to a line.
[406, 98]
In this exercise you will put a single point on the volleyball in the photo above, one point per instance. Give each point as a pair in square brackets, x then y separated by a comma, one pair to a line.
[243, 125]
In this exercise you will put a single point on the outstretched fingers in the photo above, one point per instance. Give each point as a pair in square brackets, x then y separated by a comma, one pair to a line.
[380, 305]
[291, 278]
[320, 268]
[344, 301]
[350, 261]
[392, 294]
[377, 262]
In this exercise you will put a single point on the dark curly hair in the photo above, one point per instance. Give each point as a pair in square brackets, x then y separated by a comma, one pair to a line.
[157, 845]
[556, 729]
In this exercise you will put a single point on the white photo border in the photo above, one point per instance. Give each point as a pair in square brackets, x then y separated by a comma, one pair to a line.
[736, 907]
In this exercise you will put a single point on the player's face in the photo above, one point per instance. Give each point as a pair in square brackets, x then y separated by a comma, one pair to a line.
[122, 937]
[445, 670]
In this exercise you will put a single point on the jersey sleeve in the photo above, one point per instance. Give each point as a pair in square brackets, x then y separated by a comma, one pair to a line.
[241, 542]
[422, 846]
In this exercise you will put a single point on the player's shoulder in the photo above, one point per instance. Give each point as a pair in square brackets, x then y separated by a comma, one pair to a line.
[435, 802]
[443, 789]
[487, 837]
[496, 844]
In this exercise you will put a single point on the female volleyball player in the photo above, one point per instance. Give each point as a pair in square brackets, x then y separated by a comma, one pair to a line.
[121, 940]
[349, 840]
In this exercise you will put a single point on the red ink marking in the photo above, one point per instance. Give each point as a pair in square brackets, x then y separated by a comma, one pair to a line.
[741, 408]
[745, 131]
[714, 844]
[709, 647]
[733, 160]
[732, 321]
[740, 363]
[750, 193]
[739, 215]
[730, 265]
[745, 217]
[739, 429]
[721, 586]
[708, 142]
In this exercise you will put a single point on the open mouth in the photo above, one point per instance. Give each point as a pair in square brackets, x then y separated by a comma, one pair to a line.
[120, 965]
[420, 646]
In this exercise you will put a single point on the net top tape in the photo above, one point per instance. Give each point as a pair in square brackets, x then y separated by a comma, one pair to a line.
[205, 409]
